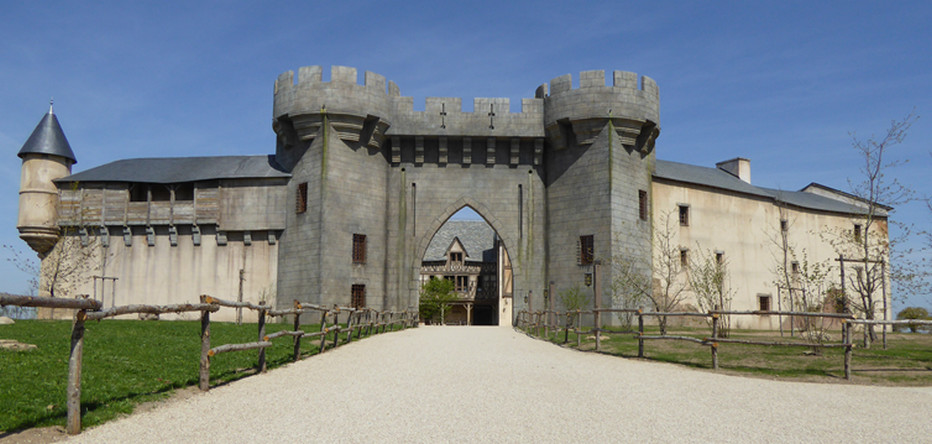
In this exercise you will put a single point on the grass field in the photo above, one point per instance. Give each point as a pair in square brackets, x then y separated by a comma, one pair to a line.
[125, 363]
[906, 362]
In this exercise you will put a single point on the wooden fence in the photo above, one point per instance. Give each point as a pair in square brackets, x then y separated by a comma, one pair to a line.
[533, 322]
[357, 321]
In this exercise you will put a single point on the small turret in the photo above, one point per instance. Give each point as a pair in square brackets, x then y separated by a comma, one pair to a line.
[46, 156]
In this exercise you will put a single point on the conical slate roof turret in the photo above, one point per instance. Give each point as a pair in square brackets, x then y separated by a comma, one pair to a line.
[48, 138]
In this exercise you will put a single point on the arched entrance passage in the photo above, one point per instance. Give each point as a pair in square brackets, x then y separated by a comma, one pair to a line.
[510, 199]
[467, 252]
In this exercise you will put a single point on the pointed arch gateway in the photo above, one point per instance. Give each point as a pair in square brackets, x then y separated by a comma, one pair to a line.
[472, 255]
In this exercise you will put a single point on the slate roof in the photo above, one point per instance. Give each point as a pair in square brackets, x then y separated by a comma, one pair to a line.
[182, 169]
[477, 237]
[48, 138]
[717, 178]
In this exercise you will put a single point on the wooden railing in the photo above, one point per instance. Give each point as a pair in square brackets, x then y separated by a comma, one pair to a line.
[357, 321]
[533, 322]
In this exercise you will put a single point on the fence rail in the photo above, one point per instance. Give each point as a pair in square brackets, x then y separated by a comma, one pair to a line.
[357, 320]
[532, 322]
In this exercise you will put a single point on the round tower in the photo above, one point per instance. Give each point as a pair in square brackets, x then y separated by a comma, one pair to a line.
[46, 156]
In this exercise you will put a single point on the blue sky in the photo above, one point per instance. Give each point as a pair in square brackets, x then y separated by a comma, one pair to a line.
[781, 83]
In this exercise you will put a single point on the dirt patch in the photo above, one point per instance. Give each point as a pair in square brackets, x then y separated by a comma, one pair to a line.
[13, 344]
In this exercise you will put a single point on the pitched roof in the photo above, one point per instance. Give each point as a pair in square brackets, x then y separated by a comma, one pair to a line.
[476, 236]
[182, 169]
[48, 138]
[716, 178]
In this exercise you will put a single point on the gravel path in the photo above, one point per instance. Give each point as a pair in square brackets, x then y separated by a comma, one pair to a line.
[490, 384]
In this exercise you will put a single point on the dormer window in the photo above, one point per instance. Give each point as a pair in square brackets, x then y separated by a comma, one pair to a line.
[456, 257]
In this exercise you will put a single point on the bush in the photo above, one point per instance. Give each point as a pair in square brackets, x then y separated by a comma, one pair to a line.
[913, 313]
[435, 297]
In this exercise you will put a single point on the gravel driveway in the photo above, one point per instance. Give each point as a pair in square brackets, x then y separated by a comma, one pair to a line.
[492, 384]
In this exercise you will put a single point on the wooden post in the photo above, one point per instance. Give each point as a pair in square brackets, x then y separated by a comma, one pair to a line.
[204, 381]
[780, 309]
[74, 373]
[846, 327]
[323, 330]
[883, 292]
[239, 297]
[578, 329]
[550, 316]
[597, 303]
[349, 327]
[336, 327]
[714, 356]
[261, 365]
[640, 333]
[296, 352]
[714, 325]
[566, 329]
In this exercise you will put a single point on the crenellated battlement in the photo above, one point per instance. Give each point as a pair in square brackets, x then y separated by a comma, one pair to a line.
[576, 115]
[369, 112]
[625, 80]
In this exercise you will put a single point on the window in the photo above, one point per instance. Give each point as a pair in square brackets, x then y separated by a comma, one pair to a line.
[784, 225]
[857, 232]
[763, 302]
[301, 195]
[642, 204]
[462, 283]
[684, 215]
[684, 257]
[359, 248]
[358, 296]
[719, 257]
[586, 246]
[794, 267]
[456, 258]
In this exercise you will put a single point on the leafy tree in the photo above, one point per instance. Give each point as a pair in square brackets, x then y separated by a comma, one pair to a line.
[913, 313]
[436, 295]
[572, 299]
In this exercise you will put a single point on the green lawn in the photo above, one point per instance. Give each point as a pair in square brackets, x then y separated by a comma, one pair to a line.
[907, 360]
[125, 363]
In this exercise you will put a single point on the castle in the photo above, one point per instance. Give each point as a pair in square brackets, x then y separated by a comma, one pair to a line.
[359, 182]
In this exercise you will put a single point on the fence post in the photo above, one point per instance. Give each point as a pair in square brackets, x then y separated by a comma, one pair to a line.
[261, 364]
[640, 333]
[204, 381]
[323, 332]
[597, 302]
[578, 329]
[598, 329]
[714, 355]
[566, 328]
[349, 327]
[296, 352]
[336, 327]
[714, 325]
[74, 373]
[846, 327]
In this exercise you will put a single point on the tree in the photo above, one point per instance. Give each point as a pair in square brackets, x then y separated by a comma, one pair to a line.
[572, 299]
[913, 313]
[867, 245]
[630, 285]
[708, 279]
[436, 295]
[668, 287]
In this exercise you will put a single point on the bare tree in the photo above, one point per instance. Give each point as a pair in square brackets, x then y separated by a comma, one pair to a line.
[708, 280]
[867, 244]
[631, 283]
[669, 275]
